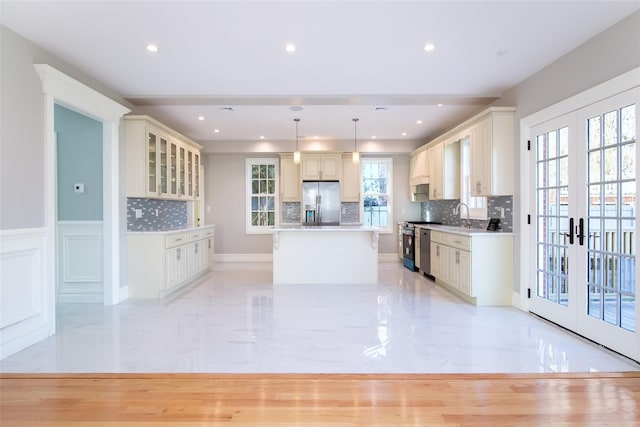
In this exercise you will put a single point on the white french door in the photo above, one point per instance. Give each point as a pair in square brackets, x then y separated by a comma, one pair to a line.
[583, 188]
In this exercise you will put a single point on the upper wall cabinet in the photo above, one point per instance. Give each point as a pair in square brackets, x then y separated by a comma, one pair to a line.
[290, 186]
[491, 142]
[160, 163]
[321, 166]
[444, 170]
[351, 182]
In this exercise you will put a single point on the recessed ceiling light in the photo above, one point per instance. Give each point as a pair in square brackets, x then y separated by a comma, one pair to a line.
[200, 118]
[152, 47]
[429, 47]
[261, 136]
[216, 131]
[419, 122]
[404, 134]
[373, 137]
[440, 105]
[290, 47]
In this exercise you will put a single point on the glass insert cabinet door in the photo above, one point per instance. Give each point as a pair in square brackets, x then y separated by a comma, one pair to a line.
[152, 167]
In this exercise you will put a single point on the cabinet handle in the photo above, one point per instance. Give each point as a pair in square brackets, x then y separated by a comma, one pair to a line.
[437, 250]
[478, 186]
[457, 257]
[177, 240]
[178, 254]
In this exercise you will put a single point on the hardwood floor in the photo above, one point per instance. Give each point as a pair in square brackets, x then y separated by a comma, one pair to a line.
[144, 400]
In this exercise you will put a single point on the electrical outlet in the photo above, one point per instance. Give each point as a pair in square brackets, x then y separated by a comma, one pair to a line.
[138, 213]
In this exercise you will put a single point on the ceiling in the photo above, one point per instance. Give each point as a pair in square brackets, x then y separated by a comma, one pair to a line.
[226, 60]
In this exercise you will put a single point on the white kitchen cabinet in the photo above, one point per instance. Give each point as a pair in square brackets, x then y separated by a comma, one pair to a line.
[477, 266]
[351, 182]
[321, 166]
[290, 183]
[160, 163]
[161, 262]
[491, 166]
[419, 168]
[176, 266]
[444, 171]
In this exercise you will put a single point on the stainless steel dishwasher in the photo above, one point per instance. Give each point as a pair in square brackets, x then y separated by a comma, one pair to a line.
[425, 252]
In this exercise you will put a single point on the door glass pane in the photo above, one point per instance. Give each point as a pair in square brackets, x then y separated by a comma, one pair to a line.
[552, 216]
[611, 257]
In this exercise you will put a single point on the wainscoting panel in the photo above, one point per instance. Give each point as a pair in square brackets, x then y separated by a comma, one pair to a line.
[25, 311]
[80, 262]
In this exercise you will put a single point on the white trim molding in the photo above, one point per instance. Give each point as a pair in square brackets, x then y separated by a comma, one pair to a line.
[26, 315]
[58, 88]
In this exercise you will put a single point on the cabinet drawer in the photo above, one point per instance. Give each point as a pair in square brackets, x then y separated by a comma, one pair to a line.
[208, 233]
[195, 235]
[461, 242]
[439, 237]
[175, 239]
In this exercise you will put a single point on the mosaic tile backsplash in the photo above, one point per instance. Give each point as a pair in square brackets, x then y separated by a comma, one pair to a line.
[350, 213]
[157, 215]
[442, 210]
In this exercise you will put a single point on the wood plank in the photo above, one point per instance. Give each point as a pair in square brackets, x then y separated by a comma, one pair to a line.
[460, 400]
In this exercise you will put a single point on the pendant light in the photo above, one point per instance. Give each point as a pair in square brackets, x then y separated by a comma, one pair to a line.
[355, 156]
[296, 154]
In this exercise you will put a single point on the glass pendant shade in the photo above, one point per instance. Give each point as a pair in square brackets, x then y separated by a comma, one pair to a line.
[355, 156]
[296, 154]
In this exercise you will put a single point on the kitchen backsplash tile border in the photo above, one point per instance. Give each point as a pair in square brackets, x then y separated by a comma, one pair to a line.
[442, 210]
[349, 213]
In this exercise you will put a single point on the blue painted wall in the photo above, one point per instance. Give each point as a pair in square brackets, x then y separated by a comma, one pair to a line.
[79, 155]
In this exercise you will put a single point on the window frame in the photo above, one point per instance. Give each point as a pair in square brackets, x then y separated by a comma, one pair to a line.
[389, 228]
[249, 163]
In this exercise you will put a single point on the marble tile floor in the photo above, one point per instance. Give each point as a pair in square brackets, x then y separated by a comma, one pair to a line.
[234, 320]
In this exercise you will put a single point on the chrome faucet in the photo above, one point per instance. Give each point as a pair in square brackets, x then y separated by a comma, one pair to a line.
[468, 225]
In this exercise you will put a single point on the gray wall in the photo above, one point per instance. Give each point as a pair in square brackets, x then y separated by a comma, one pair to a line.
[22, 130]
[607, 55]
[225, 196]
[79, 157]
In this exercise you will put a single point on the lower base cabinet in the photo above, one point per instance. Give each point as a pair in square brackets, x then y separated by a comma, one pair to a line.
[477, 267]
[161, 263]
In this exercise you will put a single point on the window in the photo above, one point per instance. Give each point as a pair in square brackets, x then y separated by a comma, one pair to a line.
[262, 195]
[477, 205]
[376, 192]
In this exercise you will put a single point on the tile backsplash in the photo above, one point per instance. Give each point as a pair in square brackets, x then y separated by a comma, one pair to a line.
[350, 213]
[442, 210]
[156, 215]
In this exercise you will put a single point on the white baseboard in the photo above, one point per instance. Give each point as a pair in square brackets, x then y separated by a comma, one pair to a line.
[243, 258]
[516, 301]
[387, 257]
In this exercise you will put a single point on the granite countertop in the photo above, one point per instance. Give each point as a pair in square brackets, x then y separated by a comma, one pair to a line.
[464, 231]
[177, 230]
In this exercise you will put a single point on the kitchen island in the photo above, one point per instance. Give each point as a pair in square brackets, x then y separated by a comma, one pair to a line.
[325, 255]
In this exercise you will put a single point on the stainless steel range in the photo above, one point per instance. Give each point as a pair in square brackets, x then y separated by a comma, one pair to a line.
[409, 249]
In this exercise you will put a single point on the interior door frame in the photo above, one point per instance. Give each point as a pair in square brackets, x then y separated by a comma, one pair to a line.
[614, 86]
[58, 88]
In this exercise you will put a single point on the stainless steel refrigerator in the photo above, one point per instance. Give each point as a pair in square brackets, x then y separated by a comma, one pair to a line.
[321, 202]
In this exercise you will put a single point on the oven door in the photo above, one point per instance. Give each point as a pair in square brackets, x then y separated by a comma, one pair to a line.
[408, 244]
